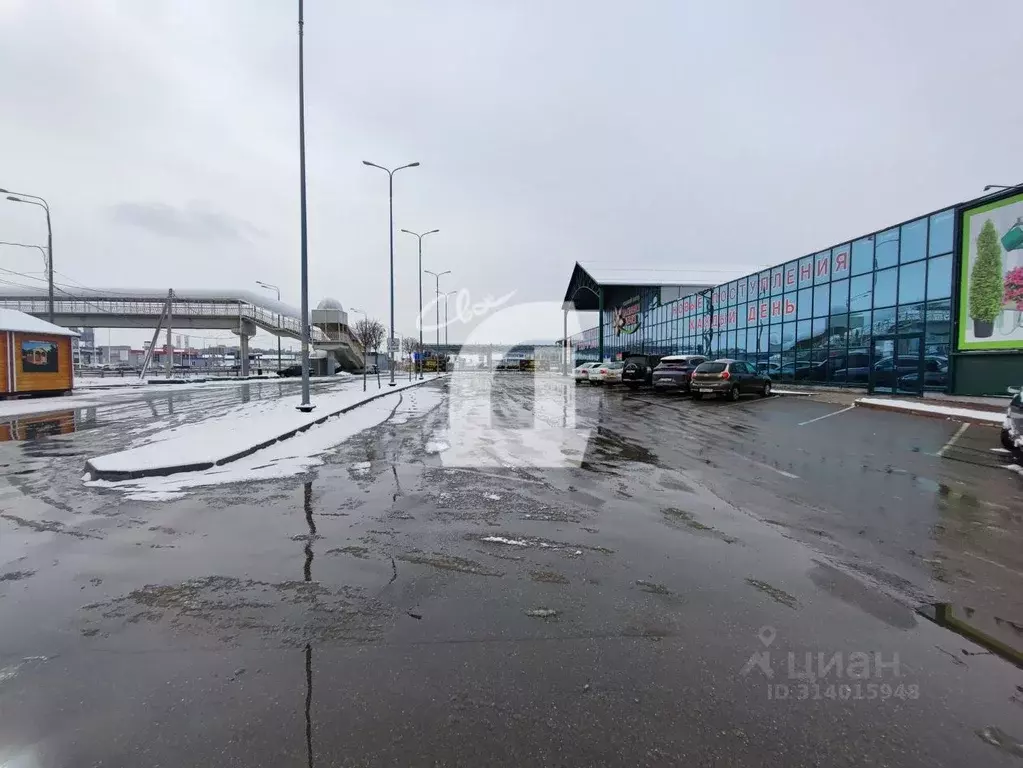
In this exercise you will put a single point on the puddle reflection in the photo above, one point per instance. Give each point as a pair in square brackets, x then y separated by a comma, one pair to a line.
[38, 426]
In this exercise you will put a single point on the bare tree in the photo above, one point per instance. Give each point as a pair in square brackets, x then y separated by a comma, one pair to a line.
[369, 333]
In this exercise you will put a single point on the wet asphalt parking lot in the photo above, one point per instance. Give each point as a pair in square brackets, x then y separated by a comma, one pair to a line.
[637, 607]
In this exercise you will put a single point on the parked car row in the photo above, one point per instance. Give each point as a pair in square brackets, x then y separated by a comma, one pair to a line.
[693, 374]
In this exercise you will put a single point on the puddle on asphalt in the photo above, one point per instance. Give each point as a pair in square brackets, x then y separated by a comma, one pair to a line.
[39, 426]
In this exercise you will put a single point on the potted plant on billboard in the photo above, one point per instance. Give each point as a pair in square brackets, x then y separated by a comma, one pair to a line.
[1014, 291]
[986, 282]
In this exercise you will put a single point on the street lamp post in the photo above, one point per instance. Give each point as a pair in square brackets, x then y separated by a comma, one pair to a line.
[438, 276]
[271, 287]
[20, 197]
[1001, 186]
[420, 238]
[390, 228]
[305, 406]
[365, 317]
[449, 293]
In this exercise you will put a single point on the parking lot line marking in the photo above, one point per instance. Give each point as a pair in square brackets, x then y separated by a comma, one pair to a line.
[952, 441]
[826, 415]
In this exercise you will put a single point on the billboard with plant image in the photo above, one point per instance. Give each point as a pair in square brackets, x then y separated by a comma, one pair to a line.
[991, 276]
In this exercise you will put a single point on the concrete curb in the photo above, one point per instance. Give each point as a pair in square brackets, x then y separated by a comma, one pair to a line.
[200, 466]
[929, 414]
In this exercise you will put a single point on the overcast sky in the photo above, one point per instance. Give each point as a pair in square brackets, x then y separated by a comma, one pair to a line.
[659, 132]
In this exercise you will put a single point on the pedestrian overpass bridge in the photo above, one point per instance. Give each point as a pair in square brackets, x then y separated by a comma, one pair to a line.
[239, 311]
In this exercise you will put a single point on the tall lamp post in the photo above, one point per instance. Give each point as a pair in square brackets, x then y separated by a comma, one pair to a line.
[420, 238]
[271, 287]
[21, 197]
[390, 228]
[1001, 186]
[449, 293]
[305, 406]
[438, 276]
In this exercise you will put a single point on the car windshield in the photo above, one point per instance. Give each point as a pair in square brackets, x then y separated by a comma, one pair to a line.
[711, 367]
[616, 365]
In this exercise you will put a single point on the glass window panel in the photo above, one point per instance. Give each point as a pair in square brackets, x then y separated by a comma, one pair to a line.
[913, 241]
[839, 296]
[788, 335]
[911, 318]
[733, 294]
[884, 287]
[774, 337]
[884, 321]
[859, 329]
[751, 340]
[822, 267]
[939, 277]
[765, 284]
[804, 303]
[840, 262]
[912, 282]
[804, 339]
[937, 337]
[804, 275]
[732, 349]
[777, 281]
[863, 256]
[791, 276]
[741, 314]
[861, 290]
[765, 340]
[886, 249]
[751, 286]
[821, 303]
[940, 240]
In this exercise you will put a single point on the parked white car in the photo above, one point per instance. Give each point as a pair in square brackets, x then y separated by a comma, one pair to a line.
[607, 373]
[582, 372]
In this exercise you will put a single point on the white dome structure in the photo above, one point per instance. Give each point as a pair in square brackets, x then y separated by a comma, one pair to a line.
[329, 303]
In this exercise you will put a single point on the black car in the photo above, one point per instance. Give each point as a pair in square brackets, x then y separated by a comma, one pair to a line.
[673, 372]
[728, 378]
[639, 369]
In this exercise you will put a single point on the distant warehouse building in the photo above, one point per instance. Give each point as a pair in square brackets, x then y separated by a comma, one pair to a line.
[934, 303]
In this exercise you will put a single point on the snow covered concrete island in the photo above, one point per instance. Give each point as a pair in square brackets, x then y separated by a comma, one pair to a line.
[236, 434]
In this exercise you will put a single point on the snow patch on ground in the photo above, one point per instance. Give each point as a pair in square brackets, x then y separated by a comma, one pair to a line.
[492, 496]
[1015, 468]
[791, 392]
[436, 446]
[233, 432]
[282, 459]
[943, 410]
[502, 540]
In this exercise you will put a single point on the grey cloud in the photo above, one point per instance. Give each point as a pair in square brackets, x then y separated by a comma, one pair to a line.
[191, 223]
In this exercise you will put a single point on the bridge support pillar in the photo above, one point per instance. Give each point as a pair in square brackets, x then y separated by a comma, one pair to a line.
[245, 354]
[246, 328]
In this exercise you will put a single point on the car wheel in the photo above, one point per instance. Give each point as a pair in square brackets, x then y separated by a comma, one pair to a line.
[1007, 442]
[733, 393]
[697, 396]
[767, 389]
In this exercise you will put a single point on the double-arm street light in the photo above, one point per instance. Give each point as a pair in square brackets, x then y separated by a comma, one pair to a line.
[21, 197]
[438, 276]
[1001, 186]
[420, 278]
[271, 287]
[390, 202]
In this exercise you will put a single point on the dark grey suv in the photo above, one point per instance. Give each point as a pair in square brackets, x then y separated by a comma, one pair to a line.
[673, 372]
[728, 378]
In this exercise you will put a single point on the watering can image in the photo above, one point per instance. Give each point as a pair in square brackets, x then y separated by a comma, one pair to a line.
[1013, 239]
